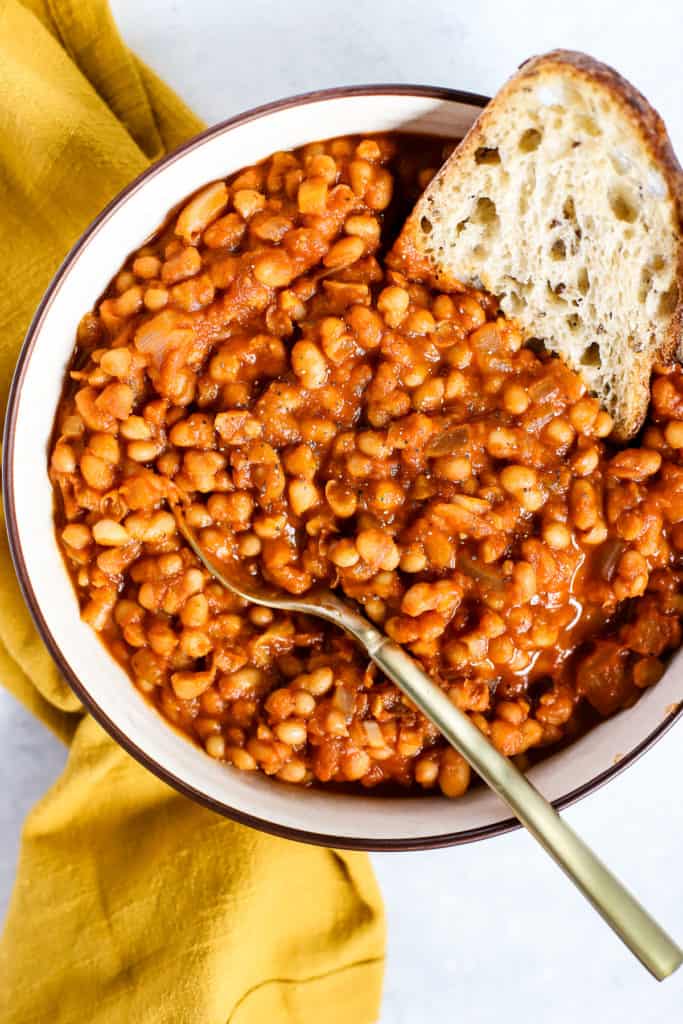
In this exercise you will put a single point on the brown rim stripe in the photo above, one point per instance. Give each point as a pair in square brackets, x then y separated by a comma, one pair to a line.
[299, 835]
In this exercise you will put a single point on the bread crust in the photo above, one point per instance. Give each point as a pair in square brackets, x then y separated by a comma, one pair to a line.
[409, 256]
[650, 126]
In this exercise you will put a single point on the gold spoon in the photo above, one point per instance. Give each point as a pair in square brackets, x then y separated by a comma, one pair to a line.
[622, 912]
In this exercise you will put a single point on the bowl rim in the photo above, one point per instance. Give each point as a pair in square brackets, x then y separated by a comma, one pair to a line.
[99, 714]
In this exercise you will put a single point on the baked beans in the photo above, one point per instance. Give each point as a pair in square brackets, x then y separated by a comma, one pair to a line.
[325, 419]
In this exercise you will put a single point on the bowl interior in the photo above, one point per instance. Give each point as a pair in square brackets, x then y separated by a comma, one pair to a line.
[315, 815]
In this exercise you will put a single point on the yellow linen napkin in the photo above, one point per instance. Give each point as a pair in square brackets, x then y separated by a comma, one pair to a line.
[133, 904]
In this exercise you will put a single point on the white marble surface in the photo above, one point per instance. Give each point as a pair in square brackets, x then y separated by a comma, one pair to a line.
[492, 931]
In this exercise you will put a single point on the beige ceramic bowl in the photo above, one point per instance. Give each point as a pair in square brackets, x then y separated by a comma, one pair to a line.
[313, 815]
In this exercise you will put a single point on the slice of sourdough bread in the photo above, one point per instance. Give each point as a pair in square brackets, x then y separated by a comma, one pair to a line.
[565, 200]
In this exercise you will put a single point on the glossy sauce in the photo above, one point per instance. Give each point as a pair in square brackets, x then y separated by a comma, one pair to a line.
[325, 418]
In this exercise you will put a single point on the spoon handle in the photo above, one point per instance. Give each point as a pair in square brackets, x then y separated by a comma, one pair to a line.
[622, 912]
[634, 926]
